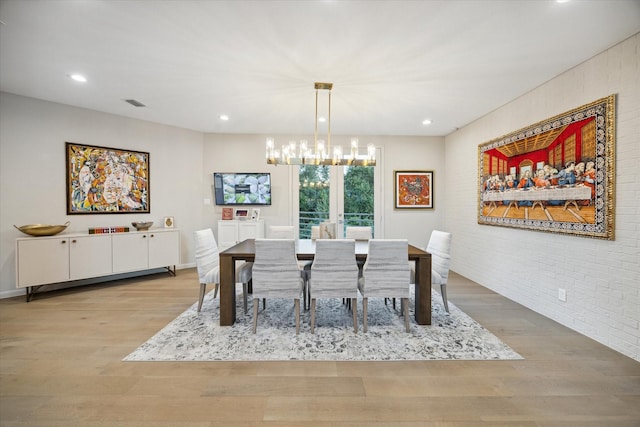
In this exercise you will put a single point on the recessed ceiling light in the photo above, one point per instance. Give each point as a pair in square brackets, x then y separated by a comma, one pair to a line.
[426, 122]
[322, 119]
[224, 117]
[79, 78]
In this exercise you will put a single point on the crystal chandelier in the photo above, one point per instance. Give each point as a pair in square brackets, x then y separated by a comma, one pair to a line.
[320, 153]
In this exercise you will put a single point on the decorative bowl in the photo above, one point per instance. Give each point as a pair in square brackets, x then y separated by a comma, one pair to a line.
[142, 226]
[42, 229]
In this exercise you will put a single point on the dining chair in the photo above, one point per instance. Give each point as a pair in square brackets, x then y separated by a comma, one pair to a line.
[439, 247]
[386, 274]
[276, 274]
[282, 232]
[208, 266]
[289, 232]
[315, 232]
[334, 274]
[358, 233]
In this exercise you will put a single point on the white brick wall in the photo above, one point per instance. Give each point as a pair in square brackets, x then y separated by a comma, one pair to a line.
[602, 278]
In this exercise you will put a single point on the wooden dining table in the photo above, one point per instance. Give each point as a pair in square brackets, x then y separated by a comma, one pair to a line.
[305, 251]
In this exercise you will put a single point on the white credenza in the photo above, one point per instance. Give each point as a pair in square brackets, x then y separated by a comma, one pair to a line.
[47, 260]
[234, 231]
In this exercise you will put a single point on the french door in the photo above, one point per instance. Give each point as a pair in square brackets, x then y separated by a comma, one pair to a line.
[343, 195]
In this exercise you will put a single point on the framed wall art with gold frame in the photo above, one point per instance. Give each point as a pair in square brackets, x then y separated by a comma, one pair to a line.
[557, 175]
[102, 180]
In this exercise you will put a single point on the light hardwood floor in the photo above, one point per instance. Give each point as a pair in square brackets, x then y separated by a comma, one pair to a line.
[60, 365]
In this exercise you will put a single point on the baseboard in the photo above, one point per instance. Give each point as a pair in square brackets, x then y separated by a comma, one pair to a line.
[72, 284]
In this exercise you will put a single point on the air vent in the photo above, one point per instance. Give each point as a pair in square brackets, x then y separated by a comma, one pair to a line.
[135, 103]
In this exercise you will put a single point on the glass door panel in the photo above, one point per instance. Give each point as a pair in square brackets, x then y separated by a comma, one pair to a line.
[343, 195]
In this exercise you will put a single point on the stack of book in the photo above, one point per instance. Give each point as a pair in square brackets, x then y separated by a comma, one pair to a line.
[107, 230]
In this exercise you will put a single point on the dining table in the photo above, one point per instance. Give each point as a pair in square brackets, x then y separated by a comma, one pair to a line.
[305, 251]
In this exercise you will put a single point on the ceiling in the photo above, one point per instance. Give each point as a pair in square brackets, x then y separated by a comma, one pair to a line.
[393, 63]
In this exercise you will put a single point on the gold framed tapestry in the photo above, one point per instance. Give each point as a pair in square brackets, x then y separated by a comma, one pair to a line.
[102, 180]
[556, 175]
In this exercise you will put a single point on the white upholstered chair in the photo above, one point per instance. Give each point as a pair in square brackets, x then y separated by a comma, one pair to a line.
[358, 233]
[208, 266]
[315, 232]
[440, 249]
[386, 274]
[282, 232]
[276, 274]
[334, 274]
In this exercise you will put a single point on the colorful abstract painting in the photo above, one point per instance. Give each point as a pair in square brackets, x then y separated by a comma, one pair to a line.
[106, 180]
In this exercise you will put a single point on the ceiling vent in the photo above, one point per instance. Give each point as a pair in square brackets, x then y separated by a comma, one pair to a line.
[135, 103]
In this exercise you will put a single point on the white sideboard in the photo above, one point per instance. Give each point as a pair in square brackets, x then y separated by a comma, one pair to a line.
[54, 259]
[234, 231]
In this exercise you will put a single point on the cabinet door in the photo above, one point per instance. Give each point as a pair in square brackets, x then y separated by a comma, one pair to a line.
[41, 261]
[250, 230]
[227, 233]
[130, 252]
[89, 256]
[164, 249]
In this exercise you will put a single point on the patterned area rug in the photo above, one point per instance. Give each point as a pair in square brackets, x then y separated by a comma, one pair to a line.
[194, 336]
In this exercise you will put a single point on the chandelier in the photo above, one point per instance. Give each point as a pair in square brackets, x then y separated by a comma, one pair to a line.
[321, 153]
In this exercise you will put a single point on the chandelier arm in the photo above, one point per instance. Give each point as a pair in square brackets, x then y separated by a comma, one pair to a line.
[315, 135]
[329, 127]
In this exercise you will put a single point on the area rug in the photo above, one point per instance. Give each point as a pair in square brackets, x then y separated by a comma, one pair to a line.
[194, 336]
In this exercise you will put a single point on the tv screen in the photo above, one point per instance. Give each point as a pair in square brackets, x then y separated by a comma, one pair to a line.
[242, 188]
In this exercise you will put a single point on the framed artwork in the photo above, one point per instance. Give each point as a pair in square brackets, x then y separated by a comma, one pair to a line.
[168, 222]
[242, 213]
[255, 214]
[413, 189]
[227, 213]
[103, 180]
[556, 175]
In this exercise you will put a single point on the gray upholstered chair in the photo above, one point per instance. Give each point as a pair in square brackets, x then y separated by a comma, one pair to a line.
[208, 266]
[358, 233]
[334, 274]
[386, 274]
[289, 232]
[276, 274]
[440, 249]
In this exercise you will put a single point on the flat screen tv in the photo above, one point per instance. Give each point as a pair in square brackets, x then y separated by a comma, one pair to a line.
[242, 188]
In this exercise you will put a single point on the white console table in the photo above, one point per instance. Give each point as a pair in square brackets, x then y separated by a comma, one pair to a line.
[66, 257]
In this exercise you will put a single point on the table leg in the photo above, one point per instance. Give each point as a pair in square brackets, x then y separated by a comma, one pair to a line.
[227, 291]
[423, 291]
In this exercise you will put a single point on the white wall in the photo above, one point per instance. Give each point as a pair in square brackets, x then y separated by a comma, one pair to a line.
[245, 153]
[32, 171]
[602, 278]
[32, 174]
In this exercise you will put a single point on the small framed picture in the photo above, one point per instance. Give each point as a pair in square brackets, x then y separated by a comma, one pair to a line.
[227, 213]
[413, 189]
[168, 222]
[255, 214]
[242, 213]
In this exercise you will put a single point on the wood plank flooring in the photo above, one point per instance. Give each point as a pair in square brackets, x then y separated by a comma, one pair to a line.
[60, 365]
